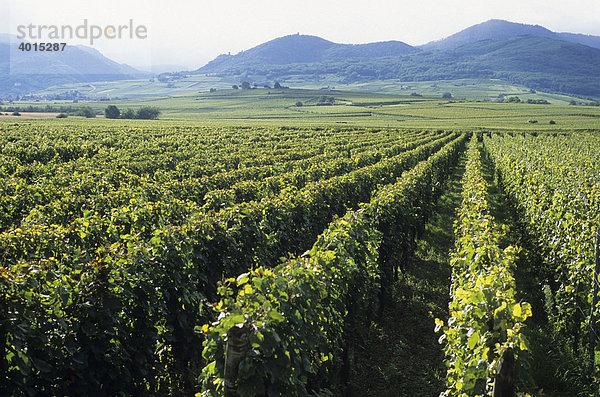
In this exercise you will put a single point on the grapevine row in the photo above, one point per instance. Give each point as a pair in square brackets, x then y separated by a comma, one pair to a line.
[140, 277]
[485, 319]
[58, 190]
[294, 317]
[555, 182]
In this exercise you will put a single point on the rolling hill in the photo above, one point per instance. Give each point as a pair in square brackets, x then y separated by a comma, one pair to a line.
[497, 29]
[522, 54]
[304, 49]
[539, 63]
[22, 72]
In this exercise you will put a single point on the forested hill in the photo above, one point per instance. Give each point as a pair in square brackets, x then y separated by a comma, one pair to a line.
[497, 29]
[24, 71]
[305, 49]
[521, 54]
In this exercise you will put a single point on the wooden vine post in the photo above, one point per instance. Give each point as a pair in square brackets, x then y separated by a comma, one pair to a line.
[237, 346]
[504, 381]
[593, 319]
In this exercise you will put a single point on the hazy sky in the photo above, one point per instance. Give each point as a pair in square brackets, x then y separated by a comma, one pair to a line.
[190, 33]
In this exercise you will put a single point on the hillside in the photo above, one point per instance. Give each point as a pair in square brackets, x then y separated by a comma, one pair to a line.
[518, 54]
[24, 71]
[540, 63]
[304, 49]
[496, 29]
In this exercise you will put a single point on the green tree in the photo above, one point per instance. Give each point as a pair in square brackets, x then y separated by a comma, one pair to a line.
[326, 100]
[112, 112]
[245, 85]
[147, 113]
[86, 112]
[128, 113]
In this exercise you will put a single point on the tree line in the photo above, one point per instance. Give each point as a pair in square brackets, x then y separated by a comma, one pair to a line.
[143, 113]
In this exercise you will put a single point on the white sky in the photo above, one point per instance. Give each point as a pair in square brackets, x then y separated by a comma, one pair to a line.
[190, 33]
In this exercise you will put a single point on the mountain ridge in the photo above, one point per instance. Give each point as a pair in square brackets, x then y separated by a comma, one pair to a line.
[307, 48]
[498, 29]
[530, 55]
[493, 29]
[22, 72]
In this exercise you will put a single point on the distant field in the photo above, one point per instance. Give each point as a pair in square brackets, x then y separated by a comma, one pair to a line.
[271, 107]
[140, 87]
[28, 115]
[469, 89]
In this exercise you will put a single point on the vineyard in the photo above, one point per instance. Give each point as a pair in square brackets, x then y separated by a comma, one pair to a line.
[150, 259]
